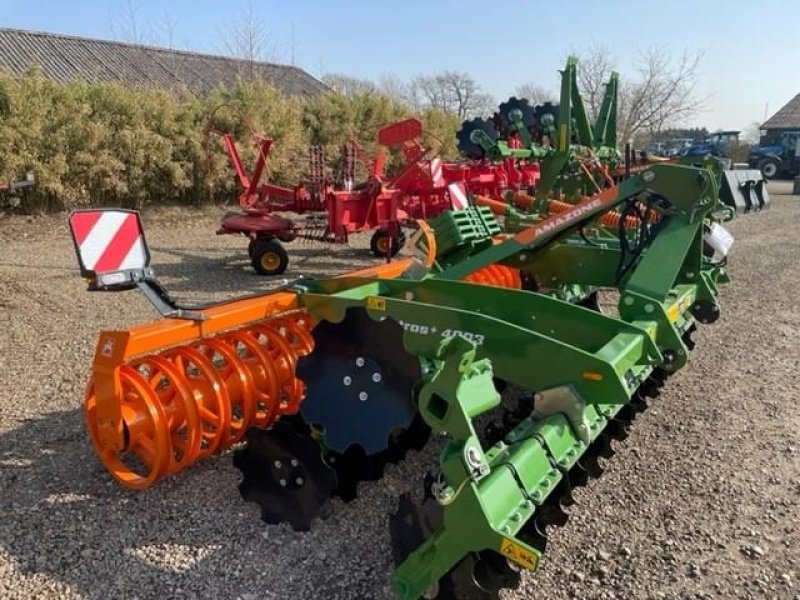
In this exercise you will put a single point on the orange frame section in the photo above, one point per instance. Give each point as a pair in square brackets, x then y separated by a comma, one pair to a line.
[115, 348]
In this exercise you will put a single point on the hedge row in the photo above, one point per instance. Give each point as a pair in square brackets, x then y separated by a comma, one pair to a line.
[92, 144]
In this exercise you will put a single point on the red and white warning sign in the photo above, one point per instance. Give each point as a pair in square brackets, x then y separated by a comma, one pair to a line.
[458, 196]
[109, 240]
[436, 171]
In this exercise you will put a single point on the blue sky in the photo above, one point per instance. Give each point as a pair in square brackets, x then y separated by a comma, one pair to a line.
[751, 47]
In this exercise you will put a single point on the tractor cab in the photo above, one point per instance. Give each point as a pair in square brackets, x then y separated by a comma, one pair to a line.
[724, 138]
[717, 144]
[777, 154]
[790, 141]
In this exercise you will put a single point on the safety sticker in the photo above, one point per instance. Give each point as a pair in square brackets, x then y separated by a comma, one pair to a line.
[376, 303]
[108, 348]
[516, 553]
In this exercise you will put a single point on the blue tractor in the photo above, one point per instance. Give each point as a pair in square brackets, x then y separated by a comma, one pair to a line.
[717, 144]
[777, 155]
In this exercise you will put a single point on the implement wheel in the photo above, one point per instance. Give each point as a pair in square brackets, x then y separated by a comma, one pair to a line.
[268, 257]
[383, 244]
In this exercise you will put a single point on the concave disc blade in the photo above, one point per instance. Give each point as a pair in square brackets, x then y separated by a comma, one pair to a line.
[359, 382]
[284, 473]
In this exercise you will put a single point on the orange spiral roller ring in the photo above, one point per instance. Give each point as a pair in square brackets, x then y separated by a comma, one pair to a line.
[496, 275]
[611, 218]
[524, 201]
[498, 207]
[185, 403]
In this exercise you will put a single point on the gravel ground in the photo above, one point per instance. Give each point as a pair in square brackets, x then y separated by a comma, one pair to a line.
[701, 501]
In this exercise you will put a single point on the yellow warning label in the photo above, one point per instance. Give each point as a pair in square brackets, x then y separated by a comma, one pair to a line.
[677, 309]
[516, 553]
[674, 312]
[376, 303]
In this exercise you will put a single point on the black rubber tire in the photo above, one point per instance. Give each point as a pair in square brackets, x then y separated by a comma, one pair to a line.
[769, 165]
[251, 247]
[268, 257]
[379, 239]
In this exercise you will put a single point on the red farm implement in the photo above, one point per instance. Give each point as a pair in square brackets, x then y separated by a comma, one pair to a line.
[426, 185]
[15, 187]
[335, 210]
[423, 187]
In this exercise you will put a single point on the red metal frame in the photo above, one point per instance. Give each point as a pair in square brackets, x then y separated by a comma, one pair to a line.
[422, 185]
[369, 206]
[418, 191]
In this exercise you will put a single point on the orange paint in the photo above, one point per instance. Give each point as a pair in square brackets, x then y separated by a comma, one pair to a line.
[167, 394]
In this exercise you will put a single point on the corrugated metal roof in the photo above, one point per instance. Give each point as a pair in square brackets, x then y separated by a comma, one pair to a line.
[786, 118]
[65, 58]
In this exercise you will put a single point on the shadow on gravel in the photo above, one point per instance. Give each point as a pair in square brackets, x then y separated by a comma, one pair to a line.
[65, 518]
[65, 523]
[234, 272]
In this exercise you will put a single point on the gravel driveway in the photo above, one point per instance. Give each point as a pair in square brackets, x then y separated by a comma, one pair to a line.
[701, 501]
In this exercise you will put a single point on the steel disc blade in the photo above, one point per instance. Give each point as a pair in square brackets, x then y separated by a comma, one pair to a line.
[534, 533]
[552, 513]
[688, 337]
[619, 427]
[546, 120]
[578, 477]
[466, 146]
[412, 523]
[480, 576]
[591, 464]
[526, 112]
[359, 382]
[406, 531]
[283, 472]
[544, 113]
[354, 466]
[563, 493]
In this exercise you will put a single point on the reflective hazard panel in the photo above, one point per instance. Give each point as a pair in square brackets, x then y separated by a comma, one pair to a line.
[108, 240]
[458, 196]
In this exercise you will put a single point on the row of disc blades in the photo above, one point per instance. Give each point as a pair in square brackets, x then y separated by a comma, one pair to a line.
[483, 575]
[359, 413]
[537, 119]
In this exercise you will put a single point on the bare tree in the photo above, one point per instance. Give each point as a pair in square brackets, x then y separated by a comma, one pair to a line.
[247, 37]
[397, 89]
[166, 38]
[166, 30]
[535, 93]
[414, 96]
[665, 93]
[596, 65]
[128, 26]
[752, 133]
[346, 85]
[662, 94]
[453, 92]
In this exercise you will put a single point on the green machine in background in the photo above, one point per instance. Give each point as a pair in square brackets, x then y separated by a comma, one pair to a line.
[560, 137]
